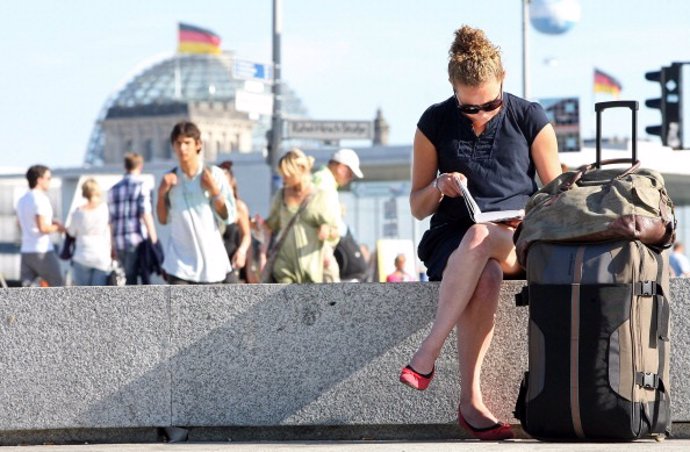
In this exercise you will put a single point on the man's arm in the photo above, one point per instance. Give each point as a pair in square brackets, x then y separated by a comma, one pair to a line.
[220, 205]
[168, 182]
[147, 218]
[221, 195]
[162, 210]
[48, 228]
[113, 245]
[145, 214]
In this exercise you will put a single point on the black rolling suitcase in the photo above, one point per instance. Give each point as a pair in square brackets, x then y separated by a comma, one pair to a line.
[598, 292]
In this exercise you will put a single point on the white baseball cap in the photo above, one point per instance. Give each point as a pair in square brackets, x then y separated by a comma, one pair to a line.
[349, 158]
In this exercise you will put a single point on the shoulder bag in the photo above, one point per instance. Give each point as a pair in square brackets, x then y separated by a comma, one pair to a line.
[267, 271]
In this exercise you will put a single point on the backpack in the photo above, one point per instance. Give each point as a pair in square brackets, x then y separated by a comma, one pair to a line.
[350, 260]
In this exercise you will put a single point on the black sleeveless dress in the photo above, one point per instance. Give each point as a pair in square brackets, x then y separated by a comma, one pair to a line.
[498, 166]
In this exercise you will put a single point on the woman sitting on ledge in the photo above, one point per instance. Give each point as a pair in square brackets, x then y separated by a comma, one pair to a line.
[493, 142]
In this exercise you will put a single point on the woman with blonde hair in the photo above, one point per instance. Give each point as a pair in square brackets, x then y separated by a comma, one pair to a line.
[91, 262]
[494, 143]
[301, 242]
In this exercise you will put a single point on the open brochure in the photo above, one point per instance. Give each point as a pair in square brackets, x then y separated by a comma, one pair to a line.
[483, 217]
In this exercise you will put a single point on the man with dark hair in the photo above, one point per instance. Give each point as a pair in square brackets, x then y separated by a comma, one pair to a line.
[131, 218]
[35, 214]
[195, 200]
[186, 129]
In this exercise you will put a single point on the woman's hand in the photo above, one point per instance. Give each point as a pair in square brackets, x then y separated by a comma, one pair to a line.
[448, 184]
[239, 259]
[324, 232]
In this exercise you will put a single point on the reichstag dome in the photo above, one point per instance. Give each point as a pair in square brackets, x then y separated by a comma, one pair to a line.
[199, 87]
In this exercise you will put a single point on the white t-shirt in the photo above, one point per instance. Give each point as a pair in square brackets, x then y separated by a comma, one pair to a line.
[34, 202]
[92, 233]
[195, 250]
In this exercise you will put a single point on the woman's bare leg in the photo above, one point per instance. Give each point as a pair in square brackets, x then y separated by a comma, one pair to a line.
[460, 279]
[474, 333]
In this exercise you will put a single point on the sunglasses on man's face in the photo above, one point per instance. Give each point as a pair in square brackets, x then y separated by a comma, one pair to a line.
[470, 109]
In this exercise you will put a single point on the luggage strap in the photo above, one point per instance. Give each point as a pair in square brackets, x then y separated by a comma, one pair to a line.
[647, 380]
[647, 288]
[662, 308]
[660, 314]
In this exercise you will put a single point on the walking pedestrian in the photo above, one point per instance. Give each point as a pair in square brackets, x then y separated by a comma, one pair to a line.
[35, 215]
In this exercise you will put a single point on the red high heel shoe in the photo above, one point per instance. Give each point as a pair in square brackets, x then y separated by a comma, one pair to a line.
[497, 432]
[414, 379]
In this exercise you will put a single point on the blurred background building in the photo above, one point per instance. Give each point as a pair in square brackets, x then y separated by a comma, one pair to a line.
[231, 109]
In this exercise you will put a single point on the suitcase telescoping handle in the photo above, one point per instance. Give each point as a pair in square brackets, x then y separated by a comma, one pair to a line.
[567, 184]
[633, 105]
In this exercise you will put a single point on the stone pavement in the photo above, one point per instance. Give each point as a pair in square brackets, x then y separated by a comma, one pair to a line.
[668, 445]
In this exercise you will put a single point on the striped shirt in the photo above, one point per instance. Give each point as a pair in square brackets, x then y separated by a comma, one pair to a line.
[128, 201]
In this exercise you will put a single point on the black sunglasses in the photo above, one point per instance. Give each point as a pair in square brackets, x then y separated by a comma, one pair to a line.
[469, 109]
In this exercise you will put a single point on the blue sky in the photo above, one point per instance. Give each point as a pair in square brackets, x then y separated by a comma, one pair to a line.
[345, 59]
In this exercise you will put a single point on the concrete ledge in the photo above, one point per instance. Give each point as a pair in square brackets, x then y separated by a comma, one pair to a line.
[272, 357]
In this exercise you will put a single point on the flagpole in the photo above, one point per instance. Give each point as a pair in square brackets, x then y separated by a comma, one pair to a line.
[525, 49]
[277, 120]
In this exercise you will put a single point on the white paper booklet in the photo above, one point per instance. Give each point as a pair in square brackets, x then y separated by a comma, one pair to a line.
[484, 217]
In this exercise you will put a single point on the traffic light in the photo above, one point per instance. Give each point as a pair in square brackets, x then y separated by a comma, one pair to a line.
[672, 79]
[658, 103]
[671, 118]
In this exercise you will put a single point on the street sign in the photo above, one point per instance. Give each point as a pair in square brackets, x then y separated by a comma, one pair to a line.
[330, 130]
[248, 70]
[254, 86]
[258, 103]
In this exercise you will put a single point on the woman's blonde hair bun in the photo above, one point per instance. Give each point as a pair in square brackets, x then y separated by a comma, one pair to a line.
[472, 58]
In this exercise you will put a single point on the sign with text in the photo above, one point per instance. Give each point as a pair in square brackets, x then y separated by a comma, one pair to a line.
[330, 130]
[257, 103]
[247, 70]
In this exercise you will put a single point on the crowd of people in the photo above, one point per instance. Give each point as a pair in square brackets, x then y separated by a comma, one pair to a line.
[212, 236]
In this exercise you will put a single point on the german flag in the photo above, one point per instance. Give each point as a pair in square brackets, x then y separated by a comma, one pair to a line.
[197, 40]
[604, 83]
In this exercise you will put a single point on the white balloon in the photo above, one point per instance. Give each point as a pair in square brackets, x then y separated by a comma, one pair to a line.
[554, 16]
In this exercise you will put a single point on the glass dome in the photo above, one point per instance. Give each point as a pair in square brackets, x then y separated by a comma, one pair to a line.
[182, 77]
[176, 80]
